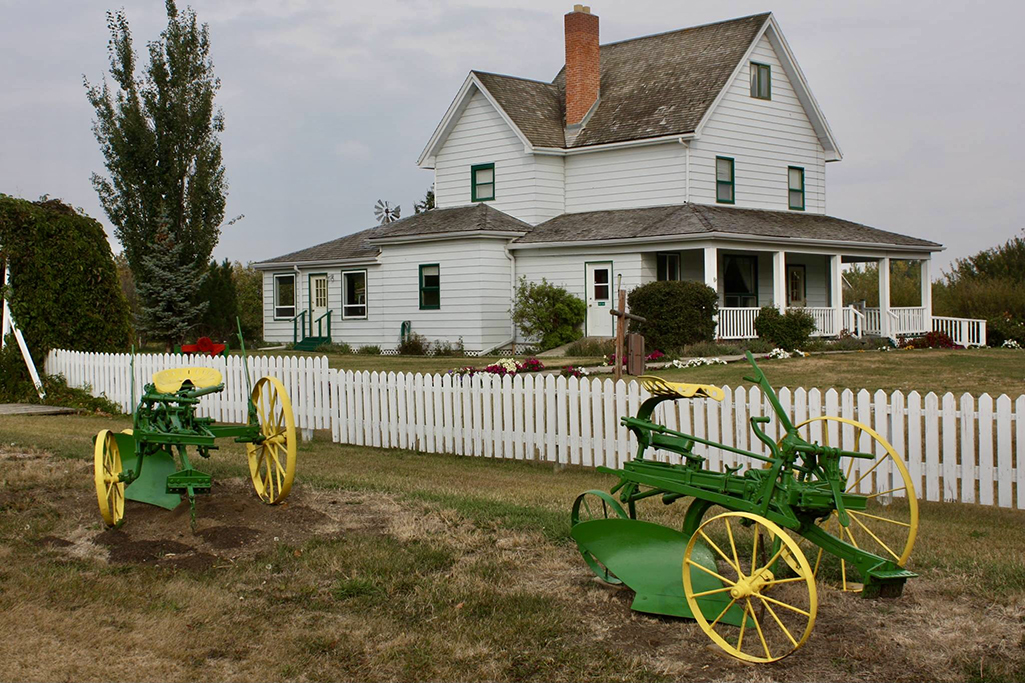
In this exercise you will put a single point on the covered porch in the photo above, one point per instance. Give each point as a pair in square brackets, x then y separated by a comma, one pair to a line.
[748, 278]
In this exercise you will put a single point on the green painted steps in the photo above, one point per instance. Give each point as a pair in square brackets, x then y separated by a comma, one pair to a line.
[311, 343]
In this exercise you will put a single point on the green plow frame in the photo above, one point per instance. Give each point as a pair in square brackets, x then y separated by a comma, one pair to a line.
[805, 497]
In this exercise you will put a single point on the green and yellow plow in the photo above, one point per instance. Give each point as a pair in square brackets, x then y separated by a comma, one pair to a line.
[150, 462]
[753, 540]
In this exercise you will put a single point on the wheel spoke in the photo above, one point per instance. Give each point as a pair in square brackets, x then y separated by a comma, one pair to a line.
[776, 618]
[709, 571]
[743, 625]
[723, 613]
[769, 563]
[785, 605]
[758, 626]
[792, 579]
[712, 592]
[867, 472]
[881, 519]
[883, 493]
[733, 545]
[721, 553]
[876, 538]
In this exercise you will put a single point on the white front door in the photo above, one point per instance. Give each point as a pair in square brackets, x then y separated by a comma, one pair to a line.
[318, 305]
[599, 299]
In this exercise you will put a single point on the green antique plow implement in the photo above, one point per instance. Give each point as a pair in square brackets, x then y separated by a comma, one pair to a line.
[743, 574]
[140, 463]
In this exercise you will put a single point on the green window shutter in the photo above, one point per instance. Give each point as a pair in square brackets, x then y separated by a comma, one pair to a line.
[430, 287]
[482, 182]
[724, 185]
[795, 187]
[761, 81]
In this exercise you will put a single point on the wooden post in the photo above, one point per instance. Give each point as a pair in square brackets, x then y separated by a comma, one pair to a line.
[620, 330]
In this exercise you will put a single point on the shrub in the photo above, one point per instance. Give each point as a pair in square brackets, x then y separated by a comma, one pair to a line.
[413, 345]
[785, 330]
[702, 349]
[931, 340]
[1004, 328]
[447, 349]
[678, 313]
[548, 313]
[370, 350]
[591, 347]
[65, 291]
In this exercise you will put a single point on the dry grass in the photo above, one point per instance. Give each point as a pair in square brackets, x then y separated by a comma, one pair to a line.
[413, 567]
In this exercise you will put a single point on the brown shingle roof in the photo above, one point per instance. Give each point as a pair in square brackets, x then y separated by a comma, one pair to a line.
[536, 108]
[698, 219]
[651, 86]
[472, 218]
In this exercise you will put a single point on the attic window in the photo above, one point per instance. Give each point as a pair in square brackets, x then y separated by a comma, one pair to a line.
[482, 182]
[795, 179]
[761, 81]
[724, 180]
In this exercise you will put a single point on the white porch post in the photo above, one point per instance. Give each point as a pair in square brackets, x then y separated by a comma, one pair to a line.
[6, 329]
[712, 267]
[836, 292]
[884, 297]
[926, 294]
[779, 280]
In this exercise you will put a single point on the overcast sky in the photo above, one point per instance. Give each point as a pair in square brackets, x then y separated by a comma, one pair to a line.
[328, 103]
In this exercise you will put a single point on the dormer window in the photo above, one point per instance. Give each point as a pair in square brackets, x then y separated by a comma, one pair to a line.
[724, 180]
[795, 180]
[482, 182]
[761, 81]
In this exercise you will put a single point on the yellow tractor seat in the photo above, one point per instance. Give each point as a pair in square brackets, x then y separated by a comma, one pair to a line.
[170, 381]
[660, 387]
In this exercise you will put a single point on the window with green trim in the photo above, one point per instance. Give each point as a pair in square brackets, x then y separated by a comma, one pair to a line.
[724, 180]
[482, 182]
[761, 81]
[795, 184]
[430, 287]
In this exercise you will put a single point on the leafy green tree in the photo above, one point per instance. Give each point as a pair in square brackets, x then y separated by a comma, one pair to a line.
[159, 137]
[219, 293]
[249, 292]
[905, 284]
[547, 313]
[678, 313]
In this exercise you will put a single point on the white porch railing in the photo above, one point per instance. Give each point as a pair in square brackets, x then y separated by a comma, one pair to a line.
[737, 323]
[825, 321]
[964, 331]
[903, 320]
[854, 321]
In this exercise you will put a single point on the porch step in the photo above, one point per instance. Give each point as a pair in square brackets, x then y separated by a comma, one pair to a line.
[311, 343]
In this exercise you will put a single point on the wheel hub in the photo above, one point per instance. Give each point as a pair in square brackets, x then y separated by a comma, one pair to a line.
[749, 585]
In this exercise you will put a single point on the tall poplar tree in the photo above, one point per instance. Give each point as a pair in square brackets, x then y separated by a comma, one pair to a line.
[158, 133]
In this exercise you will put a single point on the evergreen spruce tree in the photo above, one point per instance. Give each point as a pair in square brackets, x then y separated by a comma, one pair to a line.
[166, 291]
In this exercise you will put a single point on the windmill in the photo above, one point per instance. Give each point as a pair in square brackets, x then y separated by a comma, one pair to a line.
[384, 213]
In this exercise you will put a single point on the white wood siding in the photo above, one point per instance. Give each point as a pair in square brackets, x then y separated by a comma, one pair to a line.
[764, 137]
[527, 187]
[626, 178]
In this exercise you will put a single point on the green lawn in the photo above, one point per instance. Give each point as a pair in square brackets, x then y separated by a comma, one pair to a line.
[992, 371]
[390, 565]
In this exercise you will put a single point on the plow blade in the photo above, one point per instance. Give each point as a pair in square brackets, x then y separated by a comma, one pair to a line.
[649, 559]
[151, 485]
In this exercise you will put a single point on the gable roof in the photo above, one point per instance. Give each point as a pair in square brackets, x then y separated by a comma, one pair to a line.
[697, 220]
[652, 87]
[664, 84]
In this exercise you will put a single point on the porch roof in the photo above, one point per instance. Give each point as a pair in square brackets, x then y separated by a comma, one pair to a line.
[696, 220]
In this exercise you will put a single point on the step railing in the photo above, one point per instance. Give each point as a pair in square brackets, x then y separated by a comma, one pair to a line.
[963, 331]
[298, 323]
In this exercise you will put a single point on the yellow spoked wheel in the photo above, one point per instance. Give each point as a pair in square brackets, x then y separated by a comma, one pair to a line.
[779, 602]
[272, 462]
[889, 524]
[110, 490]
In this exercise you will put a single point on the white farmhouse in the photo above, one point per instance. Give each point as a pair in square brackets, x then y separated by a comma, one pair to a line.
[694, 154]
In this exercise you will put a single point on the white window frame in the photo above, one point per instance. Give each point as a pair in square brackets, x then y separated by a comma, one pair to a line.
[366, 295]
[295, 296]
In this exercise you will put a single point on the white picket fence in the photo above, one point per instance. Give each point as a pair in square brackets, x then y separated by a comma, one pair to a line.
[957, 449]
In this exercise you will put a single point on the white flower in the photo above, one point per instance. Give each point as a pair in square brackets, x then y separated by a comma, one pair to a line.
[1011, 344]
[697, 362]
[779, 353]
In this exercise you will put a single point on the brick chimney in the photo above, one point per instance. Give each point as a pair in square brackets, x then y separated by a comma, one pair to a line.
[583, 64]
